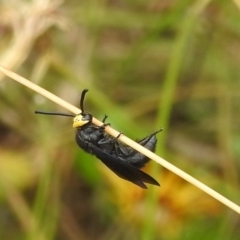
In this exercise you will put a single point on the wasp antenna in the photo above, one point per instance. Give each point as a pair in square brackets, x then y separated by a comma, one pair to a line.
[82, 99]
[54, 113]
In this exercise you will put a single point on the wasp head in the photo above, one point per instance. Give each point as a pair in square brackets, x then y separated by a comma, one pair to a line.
[82, 118]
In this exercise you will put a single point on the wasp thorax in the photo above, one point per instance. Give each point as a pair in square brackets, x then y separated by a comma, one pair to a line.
[81, 120]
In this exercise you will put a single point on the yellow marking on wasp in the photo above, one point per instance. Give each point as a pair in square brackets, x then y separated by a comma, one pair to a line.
[78, 121]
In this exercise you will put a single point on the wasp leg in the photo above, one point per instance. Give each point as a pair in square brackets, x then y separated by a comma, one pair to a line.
[105, 117]
[109, 139]
[104, 124]
[138, 159]
[120, 148]
[120, 133]
[147, 142]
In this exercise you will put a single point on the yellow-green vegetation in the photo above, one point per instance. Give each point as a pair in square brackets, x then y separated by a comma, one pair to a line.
[148, 64]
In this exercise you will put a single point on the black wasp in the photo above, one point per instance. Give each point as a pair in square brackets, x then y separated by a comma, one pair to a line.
[121, 159]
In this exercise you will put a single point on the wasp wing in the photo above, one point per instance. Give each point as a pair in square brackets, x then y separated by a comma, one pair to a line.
[123, 169]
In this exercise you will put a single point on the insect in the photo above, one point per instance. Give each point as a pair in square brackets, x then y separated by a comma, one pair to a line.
[120, 158]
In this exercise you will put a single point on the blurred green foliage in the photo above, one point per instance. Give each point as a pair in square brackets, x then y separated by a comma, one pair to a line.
[147, 64]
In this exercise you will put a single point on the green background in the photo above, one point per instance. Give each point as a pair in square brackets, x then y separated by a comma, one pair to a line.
[147, 65]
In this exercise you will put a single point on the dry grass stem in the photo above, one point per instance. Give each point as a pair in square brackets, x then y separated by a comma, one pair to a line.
[40, 90]
[125, 139]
